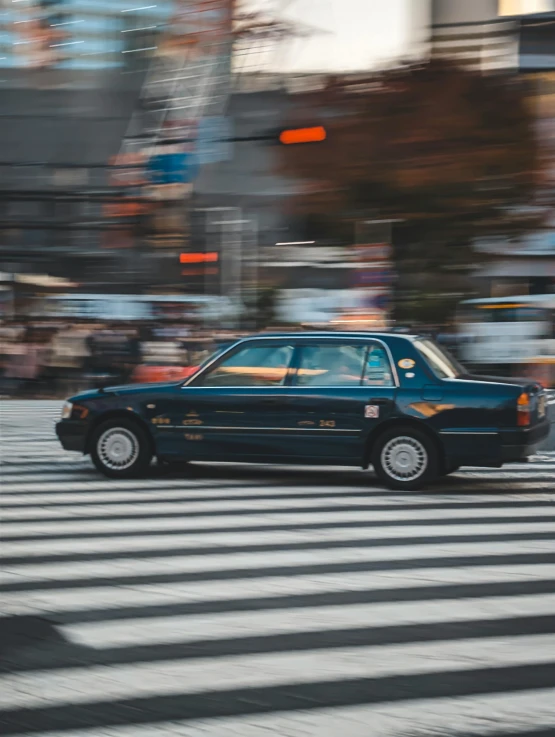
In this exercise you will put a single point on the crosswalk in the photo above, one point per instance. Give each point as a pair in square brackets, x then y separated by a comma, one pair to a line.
[223, 600]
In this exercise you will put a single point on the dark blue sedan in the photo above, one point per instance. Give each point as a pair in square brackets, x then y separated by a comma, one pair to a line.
[396, 402]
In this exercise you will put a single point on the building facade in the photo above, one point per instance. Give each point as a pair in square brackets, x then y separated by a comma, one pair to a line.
[79, 34]
[515, 37]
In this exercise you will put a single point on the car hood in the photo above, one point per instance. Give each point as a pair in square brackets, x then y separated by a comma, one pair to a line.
[127, 389]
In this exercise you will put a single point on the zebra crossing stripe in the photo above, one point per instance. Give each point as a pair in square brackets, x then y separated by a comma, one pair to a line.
[199, 564]
[156, 630]
[527, 714]
[264, 518]
[222, 507]
[88, 488]
[146, 680]
[430, 533]
[261, 699]
[111, 600]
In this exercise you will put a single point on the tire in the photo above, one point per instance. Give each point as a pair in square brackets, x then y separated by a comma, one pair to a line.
[120, 448]
[405, 459]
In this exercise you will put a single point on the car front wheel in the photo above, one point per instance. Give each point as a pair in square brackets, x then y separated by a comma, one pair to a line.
[405, 459]
[120, 449]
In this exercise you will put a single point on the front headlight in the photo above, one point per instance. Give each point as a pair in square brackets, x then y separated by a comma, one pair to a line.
[67, 410]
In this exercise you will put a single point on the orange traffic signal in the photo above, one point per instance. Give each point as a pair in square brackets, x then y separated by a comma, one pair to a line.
[303, 135]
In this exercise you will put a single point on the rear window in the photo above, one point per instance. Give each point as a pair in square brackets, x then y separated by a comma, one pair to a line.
[442, 364]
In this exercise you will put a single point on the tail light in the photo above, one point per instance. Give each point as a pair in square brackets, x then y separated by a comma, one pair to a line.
[523, 417]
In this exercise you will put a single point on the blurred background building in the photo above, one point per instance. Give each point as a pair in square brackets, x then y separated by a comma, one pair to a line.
[128, 141]
[79, 34]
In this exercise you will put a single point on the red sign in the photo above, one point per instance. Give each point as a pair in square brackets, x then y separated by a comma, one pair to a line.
[198, 258]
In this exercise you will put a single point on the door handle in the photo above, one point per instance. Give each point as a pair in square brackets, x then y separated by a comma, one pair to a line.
[272, 402]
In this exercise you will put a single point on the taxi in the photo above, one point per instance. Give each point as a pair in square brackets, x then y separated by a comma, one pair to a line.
[398, 403]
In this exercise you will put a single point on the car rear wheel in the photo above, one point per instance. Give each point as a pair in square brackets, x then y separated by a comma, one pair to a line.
[405, 459]
[121, 449]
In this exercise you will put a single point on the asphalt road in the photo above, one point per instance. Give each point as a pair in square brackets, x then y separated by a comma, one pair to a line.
[233, 600]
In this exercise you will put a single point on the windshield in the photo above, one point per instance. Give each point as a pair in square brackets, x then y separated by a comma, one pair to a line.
[442, 364]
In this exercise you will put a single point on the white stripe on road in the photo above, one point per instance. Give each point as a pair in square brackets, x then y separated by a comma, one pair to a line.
[94, 598]
[230, 625]
[132, 491]
[174, 489]
[79, 686]
[51, 447]
[226, 625]
[193, 564]
[142, 543]
[28, 491]
[221, 506]
[488, 715]
[36, 441]
[229, 520]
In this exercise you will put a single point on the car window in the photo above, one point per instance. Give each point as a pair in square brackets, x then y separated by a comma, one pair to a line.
[442, 364]
[377, 370]
[251, 366]
[331, 365]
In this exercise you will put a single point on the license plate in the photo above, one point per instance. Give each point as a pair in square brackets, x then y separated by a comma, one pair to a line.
[542, 404]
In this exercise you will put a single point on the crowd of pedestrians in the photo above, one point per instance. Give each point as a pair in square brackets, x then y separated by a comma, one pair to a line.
[58, 359]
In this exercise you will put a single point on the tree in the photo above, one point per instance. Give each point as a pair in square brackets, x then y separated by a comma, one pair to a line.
[450, 152]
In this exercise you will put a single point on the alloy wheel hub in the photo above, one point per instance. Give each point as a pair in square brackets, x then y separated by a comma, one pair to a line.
[118, 448]
[404, 458]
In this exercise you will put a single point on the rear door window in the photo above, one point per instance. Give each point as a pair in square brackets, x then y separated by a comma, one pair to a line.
[328, 364]
[338, 365]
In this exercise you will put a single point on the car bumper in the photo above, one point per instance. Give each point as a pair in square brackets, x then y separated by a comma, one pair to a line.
[72, 434]
[494, 447]
[520, 443]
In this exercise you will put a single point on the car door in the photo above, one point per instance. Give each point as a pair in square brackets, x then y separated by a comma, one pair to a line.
[341, 390]
[234, 409]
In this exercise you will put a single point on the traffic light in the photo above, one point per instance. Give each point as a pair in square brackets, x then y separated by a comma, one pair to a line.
[292, 136]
